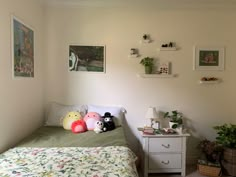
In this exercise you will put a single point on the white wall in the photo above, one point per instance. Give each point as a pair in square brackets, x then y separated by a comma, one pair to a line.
[21, 103]
[121, 28]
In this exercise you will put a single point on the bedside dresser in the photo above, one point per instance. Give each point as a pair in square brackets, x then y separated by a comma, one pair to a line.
[164, 153]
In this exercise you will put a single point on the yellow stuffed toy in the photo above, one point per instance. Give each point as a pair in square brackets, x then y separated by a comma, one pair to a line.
[70, 118]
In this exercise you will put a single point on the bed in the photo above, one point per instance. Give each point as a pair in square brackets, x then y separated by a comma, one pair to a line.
[53, 152]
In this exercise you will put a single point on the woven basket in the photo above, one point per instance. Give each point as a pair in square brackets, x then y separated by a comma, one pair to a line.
[209, 170]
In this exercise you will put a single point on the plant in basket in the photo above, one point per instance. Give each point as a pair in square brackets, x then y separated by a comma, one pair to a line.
[209, 164]
[227, 138]
[211, 150]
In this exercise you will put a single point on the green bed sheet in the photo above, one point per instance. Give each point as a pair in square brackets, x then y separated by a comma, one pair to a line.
[58, 137]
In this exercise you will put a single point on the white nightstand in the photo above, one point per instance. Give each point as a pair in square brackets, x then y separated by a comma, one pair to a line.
[164, 153]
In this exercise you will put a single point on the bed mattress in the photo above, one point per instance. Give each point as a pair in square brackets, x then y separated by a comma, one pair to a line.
[58, 137]
[111, 161]
[55, 152]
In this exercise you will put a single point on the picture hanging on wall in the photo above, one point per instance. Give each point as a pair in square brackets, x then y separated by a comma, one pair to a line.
[209, 58]
[22, 49]
[87, 58]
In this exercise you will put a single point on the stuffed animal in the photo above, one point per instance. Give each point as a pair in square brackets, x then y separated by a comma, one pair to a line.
[70, 118]
[90, 119]
[108, 122]
[79, 126]
[98, 126]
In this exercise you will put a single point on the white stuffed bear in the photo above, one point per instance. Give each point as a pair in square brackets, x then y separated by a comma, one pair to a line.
[99, 126]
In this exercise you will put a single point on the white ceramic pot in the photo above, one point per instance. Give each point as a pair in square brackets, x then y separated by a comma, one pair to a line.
[171, 124]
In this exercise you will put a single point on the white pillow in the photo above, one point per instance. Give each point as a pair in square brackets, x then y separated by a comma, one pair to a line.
[57, 111]
[116, 111]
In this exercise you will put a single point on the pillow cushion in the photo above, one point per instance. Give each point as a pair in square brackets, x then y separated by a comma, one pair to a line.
[116, 111]
[56, 112]
[70, 118]
[79, 126]
[90, 119]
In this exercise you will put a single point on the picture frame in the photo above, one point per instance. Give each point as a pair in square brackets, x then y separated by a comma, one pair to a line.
[87, 58]
[22, 49]
[209, 58]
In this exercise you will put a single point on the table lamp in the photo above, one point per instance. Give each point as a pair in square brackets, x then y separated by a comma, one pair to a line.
[152, 115]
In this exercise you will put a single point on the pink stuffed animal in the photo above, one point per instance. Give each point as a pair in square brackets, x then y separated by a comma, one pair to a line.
[91, 118]
[79, 126]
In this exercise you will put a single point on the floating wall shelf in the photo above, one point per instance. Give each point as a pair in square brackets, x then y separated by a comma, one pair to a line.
[156, 75]
[145, 41]
[209, 82]
[168, 49]
[133, 56]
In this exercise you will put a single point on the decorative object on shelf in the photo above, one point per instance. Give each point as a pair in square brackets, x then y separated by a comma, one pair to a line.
[209, 80]
[146, 38]
[133, 53]
[148, 130]
[209, 163]
[167, 131]
[152, 115]
[208, 58]
[168, 46]
[148, 63]
[175, 119]
[226, 136]
[22, 49]
[164, 68]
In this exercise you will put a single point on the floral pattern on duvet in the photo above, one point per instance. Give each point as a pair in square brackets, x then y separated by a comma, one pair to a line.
[112, 161]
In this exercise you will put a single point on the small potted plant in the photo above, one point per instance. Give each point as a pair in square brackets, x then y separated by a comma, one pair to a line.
[227, 138]
[175, 118]
[209, 163]
[148, 63]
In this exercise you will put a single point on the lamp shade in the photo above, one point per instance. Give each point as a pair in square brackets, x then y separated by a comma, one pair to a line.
[151, 113]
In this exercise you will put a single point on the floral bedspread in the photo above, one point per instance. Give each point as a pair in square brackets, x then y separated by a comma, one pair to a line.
[111, 161]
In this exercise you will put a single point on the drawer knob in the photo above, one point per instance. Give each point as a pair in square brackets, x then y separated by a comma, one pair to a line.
[165, 162]
[166, 146]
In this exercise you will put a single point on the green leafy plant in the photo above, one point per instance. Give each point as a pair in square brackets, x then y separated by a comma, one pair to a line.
[174, 116]
[147, 61]
[226, 135]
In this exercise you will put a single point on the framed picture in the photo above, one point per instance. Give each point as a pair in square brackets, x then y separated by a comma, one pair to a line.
[208, 58]
[22, 49]
[87, 58]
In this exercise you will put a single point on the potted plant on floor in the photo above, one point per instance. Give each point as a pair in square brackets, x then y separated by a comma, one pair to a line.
[148, 63]
[227, 138]
[175, 119]
[209, 163]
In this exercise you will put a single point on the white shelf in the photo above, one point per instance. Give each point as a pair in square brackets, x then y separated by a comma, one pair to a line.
[133, 56]
[145, 41]
[168, 49]
[156, 75]
[209, 82]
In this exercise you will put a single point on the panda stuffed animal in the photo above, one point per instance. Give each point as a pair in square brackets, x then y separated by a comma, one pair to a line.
[108, 122]
[98, 127]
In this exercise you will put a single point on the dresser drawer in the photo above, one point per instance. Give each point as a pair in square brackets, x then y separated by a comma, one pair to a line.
[162, 161]
[165, 145]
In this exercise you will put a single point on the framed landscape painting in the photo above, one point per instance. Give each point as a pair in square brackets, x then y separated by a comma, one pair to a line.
[22, 49]
[209, 58]
[87, 58]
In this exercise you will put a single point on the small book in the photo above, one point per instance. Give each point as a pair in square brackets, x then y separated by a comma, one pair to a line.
[148, 130]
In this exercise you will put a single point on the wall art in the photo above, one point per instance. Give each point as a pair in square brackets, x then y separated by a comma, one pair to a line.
[22, 49]
[87, 58]
[208, 58]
